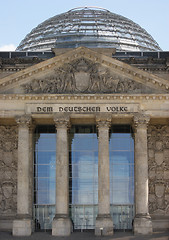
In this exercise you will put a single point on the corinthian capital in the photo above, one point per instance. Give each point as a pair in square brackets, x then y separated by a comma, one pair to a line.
[23, 120]
[62, 121]
[141, 120]
[103, 120]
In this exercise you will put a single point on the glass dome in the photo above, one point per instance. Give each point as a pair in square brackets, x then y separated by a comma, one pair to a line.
[90, 27]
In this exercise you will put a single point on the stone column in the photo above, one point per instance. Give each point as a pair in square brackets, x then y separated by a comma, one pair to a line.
[142, 221]
[61, 225]
[104, 222]
[22, 225]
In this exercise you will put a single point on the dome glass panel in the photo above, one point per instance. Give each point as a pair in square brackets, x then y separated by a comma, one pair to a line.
[89, 27]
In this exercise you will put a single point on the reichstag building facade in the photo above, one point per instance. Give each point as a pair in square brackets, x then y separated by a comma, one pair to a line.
[84, 128]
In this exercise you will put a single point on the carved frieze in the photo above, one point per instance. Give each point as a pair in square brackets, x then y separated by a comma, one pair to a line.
[158, 154]
[8, 169]
[84, 76]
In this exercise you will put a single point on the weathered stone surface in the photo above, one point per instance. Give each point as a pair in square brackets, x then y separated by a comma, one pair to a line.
[166, 175]
[159, 157]
[159, 190]
[150, 153]
[22, 227]
[158, 169]
[104, 226]
[159, 145]
[8, 169]
[152, 174]
[142, 226]
[166, 156]
[61, 227]
[103, 219]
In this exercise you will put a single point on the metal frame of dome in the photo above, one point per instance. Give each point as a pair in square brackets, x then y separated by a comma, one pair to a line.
[91, 27]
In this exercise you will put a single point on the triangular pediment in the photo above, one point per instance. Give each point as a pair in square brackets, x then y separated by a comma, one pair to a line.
[82, 71]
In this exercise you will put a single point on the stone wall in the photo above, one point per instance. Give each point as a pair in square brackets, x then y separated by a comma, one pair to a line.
[158, 154]
[8, 170]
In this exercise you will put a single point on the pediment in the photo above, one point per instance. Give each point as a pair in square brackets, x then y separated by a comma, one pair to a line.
[82, 71]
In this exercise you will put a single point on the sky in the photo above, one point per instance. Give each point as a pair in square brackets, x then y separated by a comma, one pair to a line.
[19, 17]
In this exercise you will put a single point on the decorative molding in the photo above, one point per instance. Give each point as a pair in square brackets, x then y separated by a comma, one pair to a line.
[152, 97]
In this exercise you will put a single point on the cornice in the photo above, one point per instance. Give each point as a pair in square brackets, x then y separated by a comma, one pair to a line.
[95, 97]
[113, 64]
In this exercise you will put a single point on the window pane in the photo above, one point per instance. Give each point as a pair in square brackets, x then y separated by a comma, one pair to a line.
[83, 176]
[121, 150]
[44, 176]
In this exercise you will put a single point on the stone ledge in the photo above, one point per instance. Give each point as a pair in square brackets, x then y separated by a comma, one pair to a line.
[161, 224]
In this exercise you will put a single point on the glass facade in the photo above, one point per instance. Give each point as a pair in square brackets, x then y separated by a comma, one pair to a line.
[122, 176]
[83, 176]
[44, 176]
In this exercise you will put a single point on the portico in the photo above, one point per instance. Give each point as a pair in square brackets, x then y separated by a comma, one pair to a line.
[62, 223]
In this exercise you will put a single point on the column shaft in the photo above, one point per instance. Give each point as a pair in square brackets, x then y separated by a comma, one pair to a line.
[62, 171]
[103, 172]
[141, 171]
[61, 225]
[142, 222]
[22, 225]
[104, 223]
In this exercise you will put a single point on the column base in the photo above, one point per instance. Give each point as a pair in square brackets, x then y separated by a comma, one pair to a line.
[22, 227]
[61, 225]
[143, 225]
[104, 225]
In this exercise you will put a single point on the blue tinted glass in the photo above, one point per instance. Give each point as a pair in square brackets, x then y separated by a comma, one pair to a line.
[46, 142]
[45, 165]
[45, 157]
[120, 141]
[121, 152]
[121, 157]
[84, 142]
[84, 166]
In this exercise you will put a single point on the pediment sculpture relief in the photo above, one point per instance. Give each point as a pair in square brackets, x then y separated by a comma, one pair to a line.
[84, 76]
